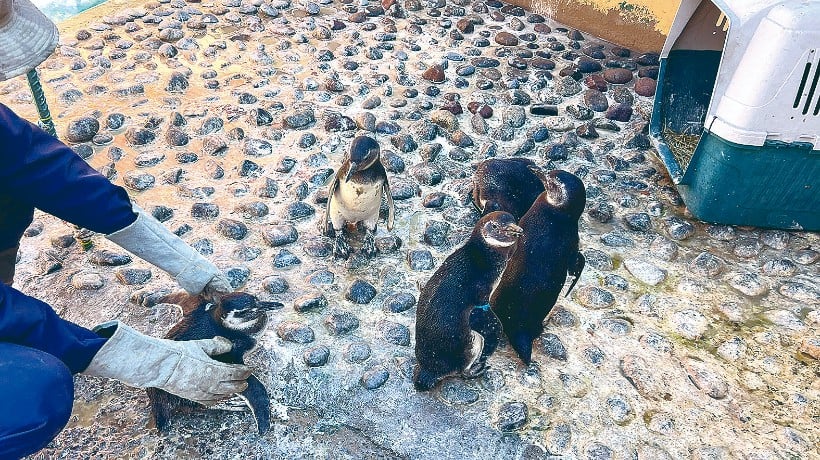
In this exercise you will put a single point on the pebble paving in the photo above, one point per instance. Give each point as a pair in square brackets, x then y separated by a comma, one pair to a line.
[226, 119]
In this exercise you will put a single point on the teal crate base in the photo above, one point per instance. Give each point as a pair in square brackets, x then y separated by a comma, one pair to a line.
[774, 186]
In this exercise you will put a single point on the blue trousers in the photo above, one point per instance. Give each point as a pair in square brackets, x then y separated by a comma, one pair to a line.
[39, 351]
[36, 395]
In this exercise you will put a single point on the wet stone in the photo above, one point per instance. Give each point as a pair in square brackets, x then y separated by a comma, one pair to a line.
[690, 324]
[645, 87]
[341, 322]
[238, 276]
[420, 259]
[567, 86]
[594, 297]
[645, 272]
[285, 259]
[299, 210]
[316, 356]
[457, 392]
[435, 233]
[800, 292]
[395, 333]
[747, 247]
[664, 248]
[512, 416]
[552, 346]
[82, 129]
[374, 378]
[232, 229]
[138, 181]
[106, 258]
[291, 331]
[598, 451]
[620, 112]
[749, 284]
[280, 235]
[133, 276]
[399, 302]
[139, 136]
[706, 380]
[87, 281]
[806, 256]
[617, 76]
[357, 352]
[275, 284]
[678, 228]
[619, 409]
[360, 292]
[310, 302]
[707, 264]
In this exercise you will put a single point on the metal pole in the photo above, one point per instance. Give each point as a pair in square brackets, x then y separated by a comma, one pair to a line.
[40, 100]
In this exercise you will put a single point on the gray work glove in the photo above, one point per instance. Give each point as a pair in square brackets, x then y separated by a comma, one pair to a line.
[183, 368]
[148, 239]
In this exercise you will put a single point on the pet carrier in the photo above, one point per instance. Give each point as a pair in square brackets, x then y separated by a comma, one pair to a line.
[736, 117]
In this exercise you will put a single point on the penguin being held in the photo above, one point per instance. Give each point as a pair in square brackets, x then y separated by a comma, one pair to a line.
[445, 342]
[355, 196]
[510, 184]
[235, 316]
[546, 252]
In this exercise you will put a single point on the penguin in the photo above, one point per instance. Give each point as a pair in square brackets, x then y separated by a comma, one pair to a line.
[446, 342]
[545, 254]
[510, 185]
[355, 196]
[235, 316]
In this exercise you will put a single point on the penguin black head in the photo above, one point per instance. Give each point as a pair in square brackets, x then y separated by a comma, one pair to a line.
[364, 151]
[499, 229]
[565, 191]
[242, 312]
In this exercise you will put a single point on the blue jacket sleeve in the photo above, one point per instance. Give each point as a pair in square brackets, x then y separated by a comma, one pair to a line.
[38, 169]
[32, 323]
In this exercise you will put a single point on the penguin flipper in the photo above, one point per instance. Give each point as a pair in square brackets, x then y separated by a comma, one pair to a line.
[391, 208]
[258, 400]
[484, 321]
[575, 270]
[328, 229]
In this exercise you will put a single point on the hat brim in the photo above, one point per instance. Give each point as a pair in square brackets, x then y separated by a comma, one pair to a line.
[26, 40]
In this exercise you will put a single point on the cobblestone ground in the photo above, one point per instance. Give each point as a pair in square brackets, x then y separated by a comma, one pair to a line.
[226, 119]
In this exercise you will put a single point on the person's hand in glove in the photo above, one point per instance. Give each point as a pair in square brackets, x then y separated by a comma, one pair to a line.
[151, 241]
[182, 368]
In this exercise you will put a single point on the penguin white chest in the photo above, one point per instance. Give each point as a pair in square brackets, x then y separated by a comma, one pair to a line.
[358, 202]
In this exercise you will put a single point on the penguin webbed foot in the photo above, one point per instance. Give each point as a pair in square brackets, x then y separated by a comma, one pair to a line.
[476, 370]
[424, 380]
[369, 245]
[341, 248]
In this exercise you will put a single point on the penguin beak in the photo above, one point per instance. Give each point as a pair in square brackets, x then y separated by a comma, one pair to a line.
[354, 167]
[514, 230]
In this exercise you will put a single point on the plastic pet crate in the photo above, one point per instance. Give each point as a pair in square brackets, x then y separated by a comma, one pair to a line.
[736, 117]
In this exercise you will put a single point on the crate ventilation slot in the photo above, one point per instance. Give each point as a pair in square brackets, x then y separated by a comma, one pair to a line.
[808, 88]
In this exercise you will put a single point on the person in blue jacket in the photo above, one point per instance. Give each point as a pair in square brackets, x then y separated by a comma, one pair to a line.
[39, 351]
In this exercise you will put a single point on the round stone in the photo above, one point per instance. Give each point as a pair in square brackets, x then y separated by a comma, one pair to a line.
[512, 416]
[280, 235]
[594, 297]
[233, 229]
[374, 378]
[357, 352]
[618, 76]
[341, 322]
[690, 324]
[399, 302]
[291, 331]
[360, 292]
[316, 356]
[82, 129]
[395, 333]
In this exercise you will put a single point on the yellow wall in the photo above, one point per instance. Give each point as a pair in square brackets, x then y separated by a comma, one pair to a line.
[638, 24]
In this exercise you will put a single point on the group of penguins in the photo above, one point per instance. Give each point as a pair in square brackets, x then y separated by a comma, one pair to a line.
[505, 278]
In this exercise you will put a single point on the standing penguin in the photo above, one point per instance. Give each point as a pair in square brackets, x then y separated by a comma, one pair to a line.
[236, 316]
[510, 185]
[445, 342]
[545, 254]
[355, 196]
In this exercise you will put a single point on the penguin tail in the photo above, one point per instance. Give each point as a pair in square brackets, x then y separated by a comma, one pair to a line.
[162, 408]
[423, 379]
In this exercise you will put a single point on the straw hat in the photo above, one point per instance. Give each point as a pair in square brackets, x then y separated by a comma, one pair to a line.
[27, 37]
